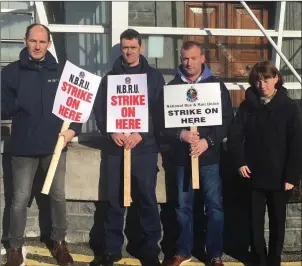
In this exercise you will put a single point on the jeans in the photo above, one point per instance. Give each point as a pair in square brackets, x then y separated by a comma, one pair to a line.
[143, 185]
[212, 190]
[23, 173]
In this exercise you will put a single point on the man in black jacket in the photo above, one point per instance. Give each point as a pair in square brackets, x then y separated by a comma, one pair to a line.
[205, 143]
[28, 88]
[144, 150]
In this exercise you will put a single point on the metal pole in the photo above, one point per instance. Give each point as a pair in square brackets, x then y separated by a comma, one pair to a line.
[271, 41]
[1, 172]
[280, 32]
[42, 17]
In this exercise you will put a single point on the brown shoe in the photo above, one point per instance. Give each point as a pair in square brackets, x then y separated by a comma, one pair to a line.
[15, 257]
[217, 262]
[178, 260]
[61, 254]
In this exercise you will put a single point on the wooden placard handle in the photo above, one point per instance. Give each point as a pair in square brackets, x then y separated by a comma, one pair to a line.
[127, 176]
[54, 161]
[195, 167]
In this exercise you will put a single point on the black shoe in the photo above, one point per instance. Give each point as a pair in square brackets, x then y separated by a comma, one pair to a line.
[274, 260]
[153, 261]
[106, 260]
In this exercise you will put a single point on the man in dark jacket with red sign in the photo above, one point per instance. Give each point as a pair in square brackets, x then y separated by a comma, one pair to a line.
[28, 88]
[205, 144]
[144, 150]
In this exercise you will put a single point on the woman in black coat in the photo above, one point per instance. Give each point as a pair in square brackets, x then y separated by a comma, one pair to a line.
[265, 142]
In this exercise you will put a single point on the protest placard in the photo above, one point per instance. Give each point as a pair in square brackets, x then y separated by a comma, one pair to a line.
[76, 94]
[193, 105]
[127, 103]
[73, 103]
[127, 112]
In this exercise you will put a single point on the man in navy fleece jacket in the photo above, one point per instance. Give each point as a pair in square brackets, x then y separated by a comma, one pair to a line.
[144, 150]
[28, 88]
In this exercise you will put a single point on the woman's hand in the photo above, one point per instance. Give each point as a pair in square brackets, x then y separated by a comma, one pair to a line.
[244, 171]
[288, 186]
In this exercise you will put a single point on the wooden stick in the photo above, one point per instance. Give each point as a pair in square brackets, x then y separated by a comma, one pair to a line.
[54, 161]
[195, 167]
[127, 176]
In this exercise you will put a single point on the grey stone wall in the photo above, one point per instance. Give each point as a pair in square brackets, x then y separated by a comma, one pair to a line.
[81, 217]
[84, 217]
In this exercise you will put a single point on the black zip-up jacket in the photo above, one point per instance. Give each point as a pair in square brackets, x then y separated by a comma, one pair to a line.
[28, 89]
[155, 82]
[213, 134]
[268, 139]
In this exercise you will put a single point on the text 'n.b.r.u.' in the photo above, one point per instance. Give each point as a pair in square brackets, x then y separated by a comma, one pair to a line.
[79, 82]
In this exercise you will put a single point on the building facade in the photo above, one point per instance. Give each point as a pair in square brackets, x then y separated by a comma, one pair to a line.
[87, 34]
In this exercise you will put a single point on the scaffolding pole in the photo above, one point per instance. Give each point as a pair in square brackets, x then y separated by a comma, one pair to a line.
[42, 17]
[281, 18]
[271, 41]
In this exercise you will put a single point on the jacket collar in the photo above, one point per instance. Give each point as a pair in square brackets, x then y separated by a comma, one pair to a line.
[121, 67]
[252, 97]
[28, 63]
[206, 73]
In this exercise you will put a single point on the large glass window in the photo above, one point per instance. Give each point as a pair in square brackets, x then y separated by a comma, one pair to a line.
[156, 14]
[13, 25]
[21, 5]
[78, 13]
[90, 51]
[10, 52]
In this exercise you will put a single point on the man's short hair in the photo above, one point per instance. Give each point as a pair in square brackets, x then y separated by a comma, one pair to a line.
[131, 34]
[28, 29]
[190, 44]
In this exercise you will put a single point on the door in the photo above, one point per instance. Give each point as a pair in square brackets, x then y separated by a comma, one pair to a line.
[230, 58]
[208, 15]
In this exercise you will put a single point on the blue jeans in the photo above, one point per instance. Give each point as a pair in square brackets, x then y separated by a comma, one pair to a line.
[212, 189]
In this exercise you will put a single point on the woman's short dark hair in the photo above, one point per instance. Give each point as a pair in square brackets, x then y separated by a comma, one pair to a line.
[264, 70]
[28, 29]
[130, 34]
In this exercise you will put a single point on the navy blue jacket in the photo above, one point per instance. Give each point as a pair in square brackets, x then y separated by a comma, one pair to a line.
[28, 90]
[268, 139]
[155, 82]
[213, 134]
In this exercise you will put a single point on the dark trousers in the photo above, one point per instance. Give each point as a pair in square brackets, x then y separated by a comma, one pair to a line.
[276, 204]
[143, 185]
[24, 170]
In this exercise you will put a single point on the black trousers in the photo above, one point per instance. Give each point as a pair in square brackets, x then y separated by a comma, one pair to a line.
[276, 204]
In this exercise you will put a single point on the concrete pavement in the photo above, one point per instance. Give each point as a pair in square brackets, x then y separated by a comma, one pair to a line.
[37, 254]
